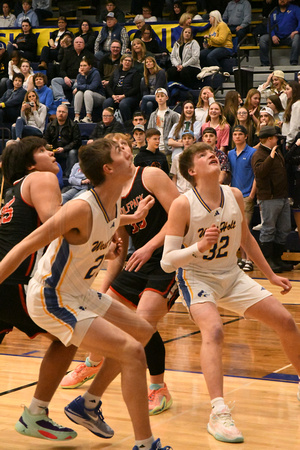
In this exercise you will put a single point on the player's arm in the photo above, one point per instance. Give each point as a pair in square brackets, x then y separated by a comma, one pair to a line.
[160, 185]
[140, 213]
[41, 190]
[254, 253]
[178, 223]
[73, 221]
[115, 266]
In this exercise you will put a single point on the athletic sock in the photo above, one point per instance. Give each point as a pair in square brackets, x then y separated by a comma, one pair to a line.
[145, 444]
[217, 403]
[156, 386]
[38, 406]
[90, 401]
[90, 363]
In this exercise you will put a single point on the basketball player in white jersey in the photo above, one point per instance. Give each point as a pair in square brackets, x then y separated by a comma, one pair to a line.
[205, 228]
[60, 300]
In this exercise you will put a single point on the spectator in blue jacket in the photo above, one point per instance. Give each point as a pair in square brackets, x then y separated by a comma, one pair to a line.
[285, 29]
[44, 92]
[11, 101]
[27, 13]
[88, 90]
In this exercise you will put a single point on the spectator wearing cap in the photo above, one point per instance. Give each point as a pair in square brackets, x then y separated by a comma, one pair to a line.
[237, 15]
[272, 195]
[139, 137]
[110, 6]
[266, 117]
[154, 78]
[163, 119]
[285, 29]
[110, 31]
[242, 177]
[210, 137]
[4, 60]
[150, 154]
[180, 182]
[275, 84]
[27, 13]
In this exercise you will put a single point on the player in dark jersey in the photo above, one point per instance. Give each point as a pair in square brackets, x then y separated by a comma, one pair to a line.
[142, 284]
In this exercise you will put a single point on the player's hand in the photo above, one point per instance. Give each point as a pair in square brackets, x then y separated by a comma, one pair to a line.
[143, 208]
[210, 238]
[114, 248]
[281, 282]
[138, 259]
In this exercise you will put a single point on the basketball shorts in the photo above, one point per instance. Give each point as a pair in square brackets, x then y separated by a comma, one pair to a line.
[63, 315]
[232, 290]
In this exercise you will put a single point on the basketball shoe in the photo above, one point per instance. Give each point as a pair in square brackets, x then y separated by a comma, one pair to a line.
[155, 446]
[41, 426]
[221, 426]
[92, 419]
[159, 400]
[82, 373]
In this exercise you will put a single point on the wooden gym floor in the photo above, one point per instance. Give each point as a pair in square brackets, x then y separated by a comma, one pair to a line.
[258, 378]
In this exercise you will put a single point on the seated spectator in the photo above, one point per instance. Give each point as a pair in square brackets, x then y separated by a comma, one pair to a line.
[177, 11]
[25, 43]
[275, 84]
[27, 71]
[154, 78]
[150, 154]
[64, 136]
[266, 117]
[218, 42]
[69, 69]
[43, 9]
[147, 14]
[11, 101]
[180, 182]
[185, 21]
[110, 6]
[139, 137]
[192, 9]
[110, 62]
[187, 121]
[4, 60]
[140, 22]
[49, 53]
[109, 32]
[88, 90]
[14, 66]
[138, 53]
[275, 104]
[185, 60]
[124, 88]
[85, 31]
[27, 14]
[205, 99]
[78, 182]
[148, 38]
[237, 15]
[163, 118]
[33, 117]
[107, 125]
[285, 27]
[7, 19]
[217, 120]
[66, 44]
[44, 92]
[232, 103]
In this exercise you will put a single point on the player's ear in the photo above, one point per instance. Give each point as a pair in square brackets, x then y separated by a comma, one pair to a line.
[191, 171]
[107, 169]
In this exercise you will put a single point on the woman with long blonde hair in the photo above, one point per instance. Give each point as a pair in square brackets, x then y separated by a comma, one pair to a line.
[33, 117]
[154, 78]
[252, 103]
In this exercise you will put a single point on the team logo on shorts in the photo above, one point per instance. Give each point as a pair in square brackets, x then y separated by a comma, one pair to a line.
[202, 294]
